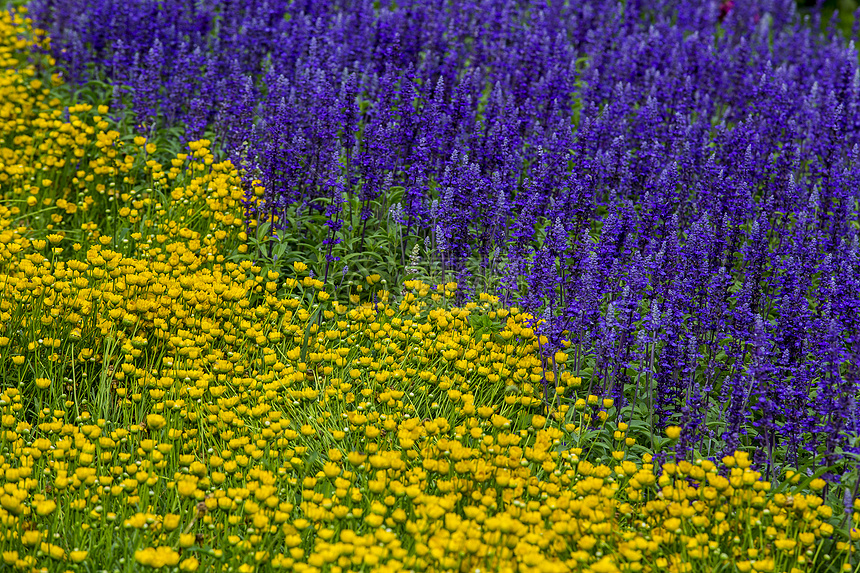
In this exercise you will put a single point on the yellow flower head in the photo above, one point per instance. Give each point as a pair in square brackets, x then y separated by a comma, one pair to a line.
[31, 538]
[77, 556]
[155, 421]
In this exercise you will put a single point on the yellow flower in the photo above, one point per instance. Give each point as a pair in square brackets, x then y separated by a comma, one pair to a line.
[31, 538]
[299, 267]
[331, 470]
[77, 556]
[605, 565]
[673, 432]
[157, 557]
[11, 504]
[45, 507]
[171, 522]
[186, 487]
[155, 421]
[53, 551]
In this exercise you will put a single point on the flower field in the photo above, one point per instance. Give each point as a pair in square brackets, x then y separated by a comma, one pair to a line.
[590, 306]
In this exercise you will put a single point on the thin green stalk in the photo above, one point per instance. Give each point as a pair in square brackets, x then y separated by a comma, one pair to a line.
[650, 395]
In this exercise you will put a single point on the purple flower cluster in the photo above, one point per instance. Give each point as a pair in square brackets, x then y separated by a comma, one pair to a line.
[674, 184]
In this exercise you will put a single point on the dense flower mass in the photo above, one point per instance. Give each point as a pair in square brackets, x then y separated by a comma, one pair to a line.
[672, 183]
[661, 384]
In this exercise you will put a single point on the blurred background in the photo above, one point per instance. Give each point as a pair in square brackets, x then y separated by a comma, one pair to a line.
[846, 9]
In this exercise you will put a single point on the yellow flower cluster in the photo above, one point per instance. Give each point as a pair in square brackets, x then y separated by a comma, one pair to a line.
[167, 406]
[68, 166]
[394, 492]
